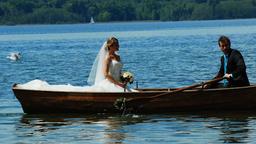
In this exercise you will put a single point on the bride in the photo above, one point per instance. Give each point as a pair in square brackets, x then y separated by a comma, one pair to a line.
[104, 76]
[106, 70]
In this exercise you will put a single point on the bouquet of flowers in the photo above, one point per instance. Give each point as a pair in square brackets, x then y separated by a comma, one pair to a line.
[127, 77]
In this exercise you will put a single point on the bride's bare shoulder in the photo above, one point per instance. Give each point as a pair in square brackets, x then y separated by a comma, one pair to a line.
[110, 57]
[113, 57]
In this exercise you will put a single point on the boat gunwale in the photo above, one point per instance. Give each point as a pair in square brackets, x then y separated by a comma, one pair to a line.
[142, 90]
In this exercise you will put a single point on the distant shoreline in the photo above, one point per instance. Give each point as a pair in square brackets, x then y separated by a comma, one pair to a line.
[44, 12]
[112, 22]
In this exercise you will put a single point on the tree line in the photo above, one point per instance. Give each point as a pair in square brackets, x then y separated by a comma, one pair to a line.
[80, 11]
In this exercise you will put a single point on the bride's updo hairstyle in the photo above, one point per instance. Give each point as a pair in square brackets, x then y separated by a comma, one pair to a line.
[111, 41]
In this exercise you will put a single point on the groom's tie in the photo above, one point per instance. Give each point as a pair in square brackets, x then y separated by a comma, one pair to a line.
[225, 69]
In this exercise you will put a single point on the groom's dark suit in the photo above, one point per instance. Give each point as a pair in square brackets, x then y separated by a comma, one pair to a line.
[236, 67]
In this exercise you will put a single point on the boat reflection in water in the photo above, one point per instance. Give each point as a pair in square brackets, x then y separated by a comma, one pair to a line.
[100, 128]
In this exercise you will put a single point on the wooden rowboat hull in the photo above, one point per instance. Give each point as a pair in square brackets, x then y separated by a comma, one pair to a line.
[235, 99]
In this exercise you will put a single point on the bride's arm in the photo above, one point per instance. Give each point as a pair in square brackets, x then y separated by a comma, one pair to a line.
[106, 73]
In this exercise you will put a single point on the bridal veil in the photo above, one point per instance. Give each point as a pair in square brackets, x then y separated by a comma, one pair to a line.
[96, 74]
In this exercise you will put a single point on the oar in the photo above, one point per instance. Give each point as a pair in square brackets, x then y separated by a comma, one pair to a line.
[132, 102]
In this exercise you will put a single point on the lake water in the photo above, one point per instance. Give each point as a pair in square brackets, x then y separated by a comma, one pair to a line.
[160, 54]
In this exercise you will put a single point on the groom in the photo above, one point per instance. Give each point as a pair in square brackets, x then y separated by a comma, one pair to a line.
[232, 66]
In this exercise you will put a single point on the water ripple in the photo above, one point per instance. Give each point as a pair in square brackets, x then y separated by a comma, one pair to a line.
[173, 55]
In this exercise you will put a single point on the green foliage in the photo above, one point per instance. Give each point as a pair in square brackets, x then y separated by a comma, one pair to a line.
[50, 15]
[202, 12]
[77, 11]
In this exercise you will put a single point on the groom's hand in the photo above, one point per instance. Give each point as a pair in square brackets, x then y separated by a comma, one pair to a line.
[228, 76]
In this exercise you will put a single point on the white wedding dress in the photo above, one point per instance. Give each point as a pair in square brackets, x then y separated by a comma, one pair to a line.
[105, 85]
[96, 78]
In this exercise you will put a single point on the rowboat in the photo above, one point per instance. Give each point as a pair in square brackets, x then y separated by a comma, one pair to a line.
[186, 100]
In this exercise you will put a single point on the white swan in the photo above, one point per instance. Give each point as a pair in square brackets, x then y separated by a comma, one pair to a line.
[14, 56]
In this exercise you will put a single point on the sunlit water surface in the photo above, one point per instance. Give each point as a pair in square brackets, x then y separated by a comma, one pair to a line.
[160, 54]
